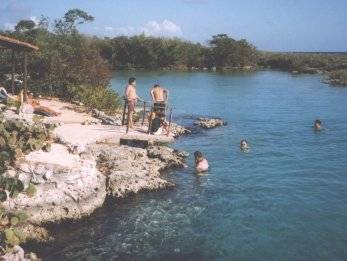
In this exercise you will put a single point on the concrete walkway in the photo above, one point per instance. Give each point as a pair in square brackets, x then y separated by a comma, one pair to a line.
[73, 132]
[81, 135]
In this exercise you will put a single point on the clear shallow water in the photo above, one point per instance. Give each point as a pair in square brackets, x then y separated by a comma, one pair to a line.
[285, 199]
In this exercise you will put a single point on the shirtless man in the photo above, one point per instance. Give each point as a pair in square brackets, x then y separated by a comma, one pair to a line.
[131, 96]
[159, 95]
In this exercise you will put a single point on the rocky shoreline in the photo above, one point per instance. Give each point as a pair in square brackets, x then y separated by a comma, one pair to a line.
[86, 165]
[75, 187]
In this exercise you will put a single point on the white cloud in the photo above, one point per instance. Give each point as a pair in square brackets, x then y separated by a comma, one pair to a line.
[164, 28]
[153, 28]
[34, 19]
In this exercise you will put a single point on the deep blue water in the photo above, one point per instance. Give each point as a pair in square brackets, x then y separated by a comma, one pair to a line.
[286, 199]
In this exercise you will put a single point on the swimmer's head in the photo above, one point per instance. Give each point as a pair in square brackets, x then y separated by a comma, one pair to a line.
[243, 144]
[317, 125]
[198, 155]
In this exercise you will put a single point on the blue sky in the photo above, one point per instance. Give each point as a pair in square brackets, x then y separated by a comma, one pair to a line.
[278, 25]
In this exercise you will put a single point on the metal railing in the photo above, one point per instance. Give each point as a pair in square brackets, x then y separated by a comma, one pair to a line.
[146, 107]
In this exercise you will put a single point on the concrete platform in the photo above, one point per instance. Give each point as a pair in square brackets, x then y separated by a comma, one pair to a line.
[81, 135]
[72, 131]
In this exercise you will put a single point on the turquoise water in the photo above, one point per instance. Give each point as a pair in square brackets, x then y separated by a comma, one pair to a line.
[286, 199]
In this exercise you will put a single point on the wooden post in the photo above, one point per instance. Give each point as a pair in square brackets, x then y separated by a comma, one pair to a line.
[150, 122]
[170, 120]
[124, 111]
[144, 112]
[12, 72]
[25, 76]
[128, 122]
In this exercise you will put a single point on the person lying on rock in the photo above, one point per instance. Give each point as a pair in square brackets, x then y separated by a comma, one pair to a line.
[39, 109]
[201, 163]
[4, 95]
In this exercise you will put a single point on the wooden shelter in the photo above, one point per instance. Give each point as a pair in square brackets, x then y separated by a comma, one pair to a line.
[18, 46]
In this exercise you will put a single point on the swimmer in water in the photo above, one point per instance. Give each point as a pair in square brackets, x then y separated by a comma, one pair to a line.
[244, 145]
[201, 163]
[317, 125]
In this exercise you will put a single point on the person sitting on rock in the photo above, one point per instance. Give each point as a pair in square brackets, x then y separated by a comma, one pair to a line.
[317, 125]
[201, 163]
[158, 125]
[164, 126]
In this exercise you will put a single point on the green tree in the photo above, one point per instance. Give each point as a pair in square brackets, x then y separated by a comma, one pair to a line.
[24, 25]
[226, 51]
[72, 18]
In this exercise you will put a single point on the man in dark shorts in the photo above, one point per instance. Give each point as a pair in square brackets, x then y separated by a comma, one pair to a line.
[159, 96]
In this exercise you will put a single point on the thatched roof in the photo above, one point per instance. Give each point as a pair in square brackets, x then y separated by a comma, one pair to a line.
[15, 44]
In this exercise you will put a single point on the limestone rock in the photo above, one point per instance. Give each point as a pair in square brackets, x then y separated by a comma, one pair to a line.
[91, 121]
[17, 254]
[67, 186]
[170, 157]
[209, 123]
[106, 119]
[130, 170]
[178, 130]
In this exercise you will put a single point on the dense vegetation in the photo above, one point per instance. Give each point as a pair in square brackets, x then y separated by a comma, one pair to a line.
[304, 62]
[17, 137]
[157, 53]
[338, 77]
[66, 61]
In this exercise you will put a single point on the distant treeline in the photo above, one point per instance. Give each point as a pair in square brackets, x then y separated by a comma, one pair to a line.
[304, 62]
[332, 65]
[172, 53]
[69, 63]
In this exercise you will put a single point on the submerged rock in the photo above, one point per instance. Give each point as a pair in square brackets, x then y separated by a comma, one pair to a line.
[178, 130]
[209, 123]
